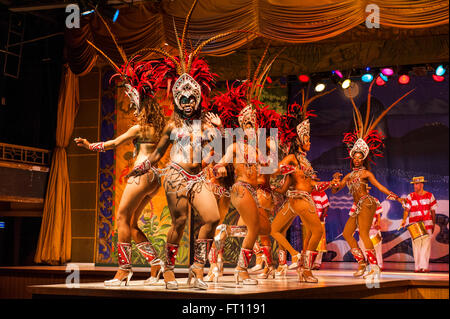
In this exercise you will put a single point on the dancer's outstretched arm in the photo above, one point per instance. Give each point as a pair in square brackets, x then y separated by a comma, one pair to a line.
[337, 184]
[132, 133]
[157, 154]
[390, 195]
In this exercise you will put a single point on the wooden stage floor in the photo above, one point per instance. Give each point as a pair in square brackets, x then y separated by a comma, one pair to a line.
[332, 284]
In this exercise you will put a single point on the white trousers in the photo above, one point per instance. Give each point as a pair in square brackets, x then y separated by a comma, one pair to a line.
[422, 251]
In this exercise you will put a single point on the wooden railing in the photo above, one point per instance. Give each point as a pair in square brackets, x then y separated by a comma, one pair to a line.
[24, 154]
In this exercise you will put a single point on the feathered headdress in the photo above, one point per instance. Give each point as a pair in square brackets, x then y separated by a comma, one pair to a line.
[295, 122]
[241, 100]
[366, 139]
[186, 74]
[136, 76]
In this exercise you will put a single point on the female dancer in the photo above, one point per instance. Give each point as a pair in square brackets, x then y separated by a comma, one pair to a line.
[299, 202]
[363, 141]
[139, 190]
[243, 192]
[266, 197]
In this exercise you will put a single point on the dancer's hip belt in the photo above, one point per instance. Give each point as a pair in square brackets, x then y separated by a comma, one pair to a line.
[358, 206]
[250, 188]
[188, 181]
[297, 194]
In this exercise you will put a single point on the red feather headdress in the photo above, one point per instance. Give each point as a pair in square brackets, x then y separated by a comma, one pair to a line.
[136, 76]
[242, 100]
[366, 139]
[295, 115]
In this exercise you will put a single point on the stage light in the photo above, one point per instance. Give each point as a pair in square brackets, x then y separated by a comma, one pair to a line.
[346, 84]
[338, 73]
[367, 77]
[85, 13]
[110, 13]
[404, 79]
[319, 87]
[383, 77]
[387, 71]
[303, 78]
[2, 224]
[438, 78]
[352, 91]
[379, 81]
[440, 70]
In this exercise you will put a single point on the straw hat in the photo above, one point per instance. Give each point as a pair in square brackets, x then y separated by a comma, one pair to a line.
[418, 179]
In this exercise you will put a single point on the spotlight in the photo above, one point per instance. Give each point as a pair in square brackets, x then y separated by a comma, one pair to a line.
[346, 84]
[338, 73]
[367, 77]
[403, 77]
[379, 81]
[387, 71]
[440, 70]
[383, 77]
[352, 91]
[110, 13]
[438, 78]
[303, 78]
[87, 12]
[319, 87]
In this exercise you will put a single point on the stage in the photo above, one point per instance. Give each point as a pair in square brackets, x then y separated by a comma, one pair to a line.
[333, 284]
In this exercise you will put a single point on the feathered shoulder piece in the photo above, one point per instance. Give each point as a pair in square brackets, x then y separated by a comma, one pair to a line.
[366, 139]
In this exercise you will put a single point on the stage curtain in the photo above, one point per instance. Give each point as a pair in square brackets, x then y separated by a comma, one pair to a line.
[54, 244]
[291, 21]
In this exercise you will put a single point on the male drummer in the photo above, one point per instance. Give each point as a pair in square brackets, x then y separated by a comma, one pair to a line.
[421, 207]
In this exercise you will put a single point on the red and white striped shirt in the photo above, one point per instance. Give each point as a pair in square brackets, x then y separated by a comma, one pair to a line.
[321, 201]
[379, 211]
[420, 207]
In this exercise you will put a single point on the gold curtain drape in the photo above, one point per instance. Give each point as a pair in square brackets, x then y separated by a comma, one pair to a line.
[54, 244]
[291, 21]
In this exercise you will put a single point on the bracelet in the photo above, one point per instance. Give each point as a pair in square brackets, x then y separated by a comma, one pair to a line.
[392, 196]
[287, 169]
[98, 147]
[322, 186]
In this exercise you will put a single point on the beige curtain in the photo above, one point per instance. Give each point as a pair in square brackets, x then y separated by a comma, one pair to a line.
[293, 21]
[54, 245]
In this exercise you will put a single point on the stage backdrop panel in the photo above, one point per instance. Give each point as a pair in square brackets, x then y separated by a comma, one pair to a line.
[416, 142]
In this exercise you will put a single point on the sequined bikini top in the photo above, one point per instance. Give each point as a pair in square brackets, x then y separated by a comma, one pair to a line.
[305, 165]
[355, 181]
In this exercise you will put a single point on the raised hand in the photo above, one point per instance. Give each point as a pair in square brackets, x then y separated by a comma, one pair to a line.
[82, 142]
[336, 179]
[213, 119]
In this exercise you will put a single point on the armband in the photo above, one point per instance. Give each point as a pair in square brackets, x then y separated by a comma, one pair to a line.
[322, 186]
[98, 147]
[287, 169]
[392, 196]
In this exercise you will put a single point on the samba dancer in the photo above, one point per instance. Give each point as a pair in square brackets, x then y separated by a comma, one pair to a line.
[363, 141]
[139, 190]
[295, 131]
